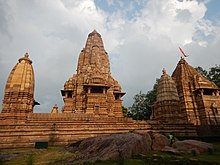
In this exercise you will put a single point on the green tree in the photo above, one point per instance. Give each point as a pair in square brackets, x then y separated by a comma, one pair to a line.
[202, 71]
[141, 108]
[124, 111]
[213, 74]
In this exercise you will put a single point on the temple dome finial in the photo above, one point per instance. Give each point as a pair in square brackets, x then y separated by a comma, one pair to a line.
[25, 58]
[94, 32]
[26, 54]
[164, 71]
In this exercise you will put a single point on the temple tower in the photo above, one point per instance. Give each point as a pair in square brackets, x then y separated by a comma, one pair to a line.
[92, 90]
[198, 96]
[19, 89]
[167, 106]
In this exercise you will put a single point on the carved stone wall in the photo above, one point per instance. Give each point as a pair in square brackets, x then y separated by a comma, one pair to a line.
[92, 90]
[19, 89]
[198, 96]
[64, 128]
[167, 106]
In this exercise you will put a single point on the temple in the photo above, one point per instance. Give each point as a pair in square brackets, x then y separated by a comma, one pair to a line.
[19, 89]
[93, 103]
[167, 105]
[92, 90]
[199, 97]
[188, 97]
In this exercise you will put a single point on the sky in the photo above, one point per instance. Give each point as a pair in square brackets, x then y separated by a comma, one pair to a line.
[141, 37]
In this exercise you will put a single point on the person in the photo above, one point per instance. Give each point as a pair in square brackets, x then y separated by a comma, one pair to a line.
[171, 138]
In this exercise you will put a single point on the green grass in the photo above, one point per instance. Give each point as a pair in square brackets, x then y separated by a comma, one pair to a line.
[161, 158]
[211, 156]
[58, 155]
[38, 156]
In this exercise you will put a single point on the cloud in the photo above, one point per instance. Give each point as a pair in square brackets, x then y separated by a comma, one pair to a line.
[150, 42]
[53, 32]
[140, 40]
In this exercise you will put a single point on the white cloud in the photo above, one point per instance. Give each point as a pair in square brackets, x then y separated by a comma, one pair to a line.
[54, 32]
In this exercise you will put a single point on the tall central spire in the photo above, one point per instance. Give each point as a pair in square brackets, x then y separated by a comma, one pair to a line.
[93, 58]
[92, 89]
[94, 39]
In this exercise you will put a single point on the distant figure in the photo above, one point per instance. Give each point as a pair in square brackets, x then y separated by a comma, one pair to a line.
[171, 138]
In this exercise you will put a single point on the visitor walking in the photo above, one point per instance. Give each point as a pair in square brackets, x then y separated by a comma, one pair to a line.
[171, 138]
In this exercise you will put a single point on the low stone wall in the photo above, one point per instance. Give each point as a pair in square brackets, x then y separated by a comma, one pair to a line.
[61, 129]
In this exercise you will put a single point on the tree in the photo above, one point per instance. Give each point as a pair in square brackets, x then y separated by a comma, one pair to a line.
[124, 111]
[213, 74]
[141, 108]
[203, 72]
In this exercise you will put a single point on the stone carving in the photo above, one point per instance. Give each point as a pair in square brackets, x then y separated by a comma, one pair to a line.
[167, 106]
[19, 89]
[197, 95]
[187, 96]
[92, 90]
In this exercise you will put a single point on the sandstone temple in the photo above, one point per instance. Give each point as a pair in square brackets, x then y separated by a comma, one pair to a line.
[190, 97]
[93, 100]
[92, 90]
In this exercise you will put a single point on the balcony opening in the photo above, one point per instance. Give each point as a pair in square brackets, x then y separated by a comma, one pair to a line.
[69, 95]
[96, 90]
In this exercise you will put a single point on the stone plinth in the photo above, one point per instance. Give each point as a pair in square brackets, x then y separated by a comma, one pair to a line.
[65, 128]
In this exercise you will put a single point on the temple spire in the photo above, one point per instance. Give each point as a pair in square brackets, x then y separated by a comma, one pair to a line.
[167, 106]
[26, 55]
[19, 89]
[92, 89]
[164, 71]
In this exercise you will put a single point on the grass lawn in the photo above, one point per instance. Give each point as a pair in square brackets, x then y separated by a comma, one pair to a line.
[35, 156]
[58, 155]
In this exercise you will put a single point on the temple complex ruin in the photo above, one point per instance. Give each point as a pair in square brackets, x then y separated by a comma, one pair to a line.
[93, 104]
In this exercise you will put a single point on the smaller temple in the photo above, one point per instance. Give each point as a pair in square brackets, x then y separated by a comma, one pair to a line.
[55, 109]
[199, 97]
[19, 89]
[167, 106]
